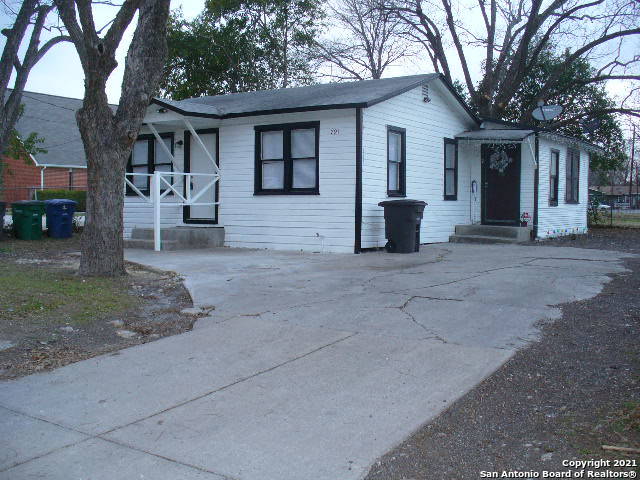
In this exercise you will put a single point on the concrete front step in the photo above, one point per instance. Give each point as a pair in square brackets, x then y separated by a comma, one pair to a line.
[518, 234]
[178, 238]
[148, 244]
[480, 239]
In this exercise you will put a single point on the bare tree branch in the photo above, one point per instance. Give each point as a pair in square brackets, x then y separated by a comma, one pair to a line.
[373, 41]
[33, 14]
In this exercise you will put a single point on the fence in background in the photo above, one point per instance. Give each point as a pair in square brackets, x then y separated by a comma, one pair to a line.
[617, 215]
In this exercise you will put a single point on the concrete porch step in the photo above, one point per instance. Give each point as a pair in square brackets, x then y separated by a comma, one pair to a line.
[480, 239]
[178, 238]
[148, 244]
[508, 234]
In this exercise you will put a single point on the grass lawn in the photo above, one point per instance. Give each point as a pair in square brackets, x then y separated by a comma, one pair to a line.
[50, 316]
[626, 219]
[619, 218]
[31, 293]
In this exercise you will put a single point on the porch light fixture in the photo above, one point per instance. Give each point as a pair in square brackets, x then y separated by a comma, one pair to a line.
[179, 143]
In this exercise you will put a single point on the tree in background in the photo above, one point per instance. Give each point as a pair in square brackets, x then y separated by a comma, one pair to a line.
[33, 15]
[241, 45]
[370, 39]
[109, 136]
[514, 35]
[577, 95]
[210, 57]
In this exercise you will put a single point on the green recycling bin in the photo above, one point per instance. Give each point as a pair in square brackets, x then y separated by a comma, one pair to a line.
[27, 219]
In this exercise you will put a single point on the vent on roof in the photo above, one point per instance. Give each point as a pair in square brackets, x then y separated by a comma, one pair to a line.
[425, 94]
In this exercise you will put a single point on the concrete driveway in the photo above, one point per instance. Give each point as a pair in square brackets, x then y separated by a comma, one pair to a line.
[310, 366]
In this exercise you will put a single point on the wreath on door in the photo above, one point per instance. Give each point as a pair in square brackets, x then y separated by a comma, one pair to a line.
[499, 160]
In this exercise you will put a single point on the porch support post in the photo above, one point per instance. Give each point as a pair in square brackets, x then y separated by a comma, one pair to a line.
[534, 155]
[536, 183]
[156, 211]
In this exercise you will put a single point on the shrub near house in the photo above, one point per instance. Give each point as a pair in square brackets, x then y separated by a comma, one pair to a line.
[78, 196]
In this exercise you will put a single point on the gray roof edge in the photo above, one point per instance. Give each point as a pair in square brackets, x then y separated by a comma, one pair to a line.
[56, 165]
[515, 135]
[181, 111]
[422, 81]
[589, 145]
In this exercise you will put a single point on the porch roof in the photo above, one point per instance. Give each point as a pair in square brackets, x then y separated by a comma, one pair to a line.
[496, 135]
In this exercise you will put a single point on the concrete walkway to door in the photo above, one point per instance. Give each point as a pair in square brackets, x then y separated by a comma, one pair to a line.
[310, 366]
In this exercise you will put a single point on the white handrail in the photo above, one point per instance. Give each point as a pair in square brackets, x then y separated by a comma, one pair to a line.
[156, 195]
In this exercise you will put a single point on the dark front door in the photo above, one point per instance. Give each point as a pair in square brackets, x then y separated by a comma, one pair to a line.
[501, 184]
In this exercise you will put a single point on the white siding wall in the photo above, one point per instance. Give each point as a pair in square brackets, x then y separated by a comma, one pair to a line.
[426, 124]
[566, 218]
[322, 222]
[138, 213]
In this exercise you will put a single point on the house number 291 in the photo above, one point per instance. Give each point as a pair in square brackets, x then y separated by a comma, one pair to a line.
[335, 131]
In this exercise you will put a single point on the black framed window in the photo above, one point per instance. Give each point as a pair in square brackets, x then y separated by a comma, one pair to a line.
[396, 162]
[287, 158]
[572, 189]
[450, 169]
[148, 157]
[554, 165]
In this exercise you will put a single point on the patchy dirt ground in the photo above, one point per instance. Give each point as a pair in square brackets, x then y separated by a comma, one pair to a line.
[559, 399]
[50, 317]
[601, 238]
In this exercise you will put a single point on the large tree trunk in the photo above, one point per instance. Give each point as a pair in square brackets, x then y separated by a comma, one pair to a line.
[108, 137]
[102, 241]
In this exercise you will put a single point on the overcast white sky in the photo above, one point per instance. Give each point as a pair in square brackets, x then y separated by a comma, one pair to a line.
[60, 73]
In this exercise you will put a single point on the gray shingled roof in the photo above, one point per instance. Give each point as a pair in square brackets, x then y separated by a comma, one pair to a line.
[491, 134]
[54, 119]
[315, 97]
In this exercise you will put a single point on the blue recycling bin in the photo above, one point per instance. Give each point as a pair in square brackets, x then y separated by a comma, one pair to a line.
[60, 217]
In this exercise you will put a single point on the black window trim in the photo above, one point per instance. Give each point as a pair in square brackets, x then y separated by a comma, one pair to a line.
[569, 161]
[288, 161]
[402, 187]
[450, 141]
[556, 187]
[151, 156]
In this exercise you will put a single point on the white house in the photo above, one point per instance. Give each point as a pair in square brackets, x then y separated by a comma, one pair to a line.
[305, 168]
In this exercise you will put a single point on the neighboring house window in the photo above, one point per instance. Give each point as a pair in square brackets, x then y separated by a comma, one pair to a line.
[450, 169]
[148, 157]
[287, 158]
[71, 179]
[573, 176]
[396, 162]
[553, 177]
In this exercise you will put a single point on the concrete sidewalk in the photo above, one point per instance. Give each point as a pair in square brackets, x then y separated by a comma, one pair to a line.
[311, 366]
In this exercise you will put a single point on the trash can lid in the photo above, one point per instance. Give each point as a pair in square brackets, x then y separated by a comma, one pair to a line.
[402, 203]
[28, 202]
[60, 201]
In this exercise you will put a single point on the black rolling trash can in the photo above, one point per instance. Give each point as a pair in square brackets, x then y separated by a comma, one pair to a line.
[60, 217]
[402, 225]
